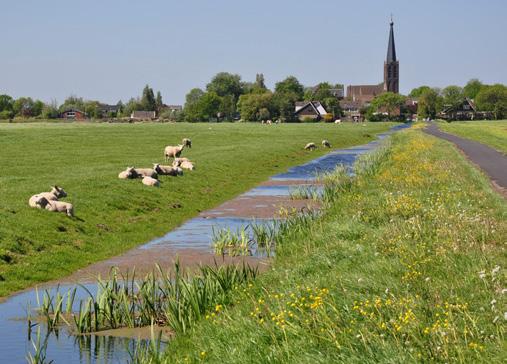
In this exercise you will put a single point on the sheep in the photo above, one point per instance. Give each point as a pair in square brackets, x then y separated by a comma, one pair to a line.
[56, 206]
[167, 170]
[173, 152]
[187, 142]
[187, 165]
[55, 193]
[310, 146]
[145, 172]
[177, 161]
[326, 144]
[269, 122]
[130, 172]
[148, 181]
[337, 121]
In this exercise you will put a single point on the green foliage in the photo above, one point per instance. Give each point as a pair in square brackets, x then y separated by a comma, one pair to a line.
[429, 103]
[26, 107]
[6, 103]
[250, 106]
[158, 102]
[291, 86]
[492, 133]
[322, 93]
[148, 101]
[472, 88]
[224, 83]
[388, 102]
[417, 92]
[493, 98]
[453, 96]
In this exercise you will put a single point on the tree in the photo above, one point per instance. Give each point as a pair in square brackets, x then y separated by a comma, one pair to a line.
[493, 98]
[322, 93]
[259, 82]
[388, 102]
[284, 103]
[224, 84]
[148, 101]
[23, 107]
[191, 104]
[428, 103]
[158, 102]
[227, 107]
[472, 88]
[417, 92]
[72, 102]
[453, 96]
[209, 105]
[290, 85]
[6, 103]
[50, 111]
[250, 106]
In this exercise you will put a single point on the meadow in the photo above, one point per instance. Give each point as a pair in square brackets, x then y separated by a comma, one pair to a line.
[406, 265]
[115, 215]
[489, 132]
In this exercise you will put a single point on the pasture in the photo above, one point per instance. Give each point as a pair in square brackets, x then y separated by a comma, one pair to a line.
[489, 132]
[113, 215]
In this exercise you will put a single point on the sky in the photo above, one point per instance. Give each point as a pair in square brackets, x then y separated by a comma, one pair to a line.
[108, 50]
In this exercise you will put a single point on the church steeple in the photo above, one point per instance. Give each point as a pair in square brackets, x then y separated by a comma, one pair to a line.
[391, 65]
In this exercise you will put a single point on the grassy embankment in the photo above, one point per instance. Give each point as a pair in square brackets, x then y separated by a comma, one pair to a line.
[492, 133]
[114, 215]
[407, 265]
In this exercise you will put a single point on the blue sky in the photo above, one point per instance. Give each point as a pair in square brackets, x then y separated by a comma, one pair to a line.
[108, 50]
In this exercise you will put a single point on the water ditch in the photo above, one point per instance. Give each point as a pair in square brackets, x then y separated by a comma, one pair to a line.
[191, 241]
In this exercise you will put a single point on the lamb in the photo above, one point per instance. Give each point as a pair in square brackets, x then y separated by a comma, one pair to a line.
[167, 170]
[56, 206]
[130, 172]
[187, 142]
[145, 172]
[148, 181]
[326, 144]
[173, 152]
[187, 165]
[55, 193]
[310, 146]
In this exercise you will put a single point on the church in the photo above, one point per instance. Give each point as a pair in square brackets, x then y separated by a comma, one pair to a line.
[360, 95]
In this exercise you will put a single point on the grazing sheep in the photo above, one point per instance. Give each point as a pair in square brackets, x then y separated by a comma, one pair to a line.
[173, 152]
[187, 165]
[55, 193]
[148, 181]
[145, 172]
[177, 161]
[130, 172]
[337, 121]
[310, 146]
[57, 206]
[187, 142]
[326, 144]
[167, 170]
[269, 122]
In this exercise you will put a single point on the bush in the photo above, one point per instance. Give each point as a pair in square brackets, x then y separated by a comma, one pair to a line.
[308, 119]
[6, 114]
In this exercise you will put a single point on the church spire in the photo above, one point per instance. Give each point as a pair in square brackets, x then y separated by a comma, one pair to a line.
[391, 49]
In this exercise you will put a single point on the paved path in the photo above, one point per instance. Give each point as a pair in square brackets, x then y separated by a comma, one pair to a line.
[492, 162]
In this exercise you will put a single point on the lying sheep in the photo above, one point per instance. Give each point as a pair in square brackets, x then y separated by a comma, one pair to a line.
[310, 146]
[167, 170]
[187, 165]
[130, 172]
[145, 172]
[177, 161]
[148, 181]
[56, 206]
[326, 144]
[173, 152]
[337, 121]
[55, 193]
[187, 142]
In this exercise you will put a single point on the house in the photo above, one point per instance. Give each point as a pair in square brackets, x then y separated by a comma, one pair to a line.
[73, 114]
[172, 108]
[352, 110]
[143, 115]
[364, 93]
[109, 110]
[310, 110]
[466, 110]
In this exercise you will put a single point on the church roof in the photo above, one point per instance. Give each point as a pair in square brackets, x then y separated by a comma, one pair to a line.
[391, 49]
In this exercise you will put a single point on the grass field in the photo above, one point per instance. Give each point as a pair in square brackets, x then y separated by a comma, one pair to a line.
[492, 133]
[114, 215]
[407, 265]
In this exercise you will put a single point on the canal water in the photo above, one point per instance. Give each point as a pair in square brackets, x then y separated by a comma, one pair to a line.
[196, 233]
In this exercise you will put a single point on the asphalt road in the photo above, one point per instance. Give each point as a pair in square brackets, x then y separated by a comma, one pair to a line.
[492, 162]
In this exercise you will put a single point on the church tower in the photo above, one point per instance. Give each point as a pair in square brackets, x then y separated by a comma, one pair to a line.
[391, 66]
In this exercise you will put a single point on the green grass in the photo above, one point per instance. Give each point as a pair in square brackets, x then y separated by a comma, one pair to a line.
[407, 265]
[115, 215]
[492, 133]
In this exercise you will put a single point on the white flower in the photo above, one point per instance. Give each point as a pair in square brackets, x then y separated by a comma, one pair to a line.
[493, 302]
[495, 270]
[427, 279]
[482, 274]
[495, 319]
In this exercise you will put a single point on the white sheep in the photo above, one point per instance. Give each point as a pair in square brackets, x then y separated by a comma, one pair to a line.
[326, 144]
[145, 172]
[337, 121]
[167, 170]
[173, 152]
[56, 206]
[55, 193]
[187, 142]
[130, 172]
[177, 161]
[310, 146]
[148, 181]
[187, 165]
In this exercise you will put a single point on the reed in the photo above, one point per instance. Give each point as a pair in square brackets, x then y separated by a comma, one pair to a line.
[39, 350]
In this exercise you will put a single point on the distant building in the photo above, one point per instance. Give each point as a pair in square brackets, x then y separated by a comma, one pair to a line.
[352, 110]
[73, 114]
[464, 111]
[310, 110]
[143, 115]
[364, 94]
[108, 110]
[173, 108]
